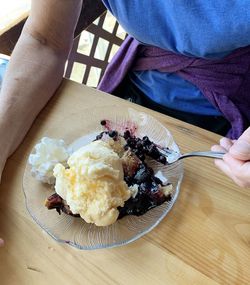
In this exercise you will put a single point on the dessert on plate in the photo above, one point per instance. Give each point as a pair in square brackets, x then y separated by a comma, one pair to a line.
[107, 179]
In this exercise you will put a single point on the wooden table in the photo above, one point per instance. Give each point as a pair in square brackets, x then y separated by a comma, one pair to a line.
[204, 240]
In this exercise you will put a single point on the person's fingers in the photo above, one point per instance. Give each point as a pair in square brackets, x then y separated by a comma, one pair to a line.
[233, 163]
[226, 143]
[238, 171]
[218, 148]
[223, 167]
[241, 148]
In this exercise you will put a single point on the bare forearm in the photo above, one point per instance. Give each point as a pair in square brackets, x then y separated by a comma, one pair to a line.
[36, 68]
[33, 75]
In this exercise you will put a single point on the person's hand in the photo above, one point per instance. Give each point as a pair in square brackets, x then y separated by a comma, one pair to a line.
[236, 162]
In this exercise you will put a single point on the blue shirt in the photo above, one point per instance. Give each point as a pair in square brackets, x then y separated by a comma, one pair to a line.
[200, 28]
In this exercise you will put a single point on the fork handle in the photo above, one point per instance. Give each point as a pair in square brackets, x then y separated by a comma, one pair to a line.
[212, 154]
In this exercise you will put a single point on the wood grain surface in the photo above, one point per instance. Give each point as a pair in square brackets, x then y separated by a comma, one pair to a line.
[205, 239]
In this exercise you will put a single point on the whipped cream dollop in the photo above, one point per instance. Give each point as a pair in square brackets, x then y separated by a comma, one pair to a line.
[47, 153]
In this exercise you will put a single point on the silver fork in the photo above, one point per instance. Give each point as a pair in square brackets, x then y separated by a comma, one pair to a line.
[173, 156]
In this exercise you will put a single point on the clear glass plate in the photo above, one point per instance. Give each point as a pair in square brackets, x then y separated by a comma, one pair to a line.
[75, 231]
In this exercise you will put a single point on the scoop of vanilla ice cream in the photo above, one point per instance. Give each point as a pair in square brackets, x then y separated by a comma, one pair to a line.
[47, 153]
[93, 185]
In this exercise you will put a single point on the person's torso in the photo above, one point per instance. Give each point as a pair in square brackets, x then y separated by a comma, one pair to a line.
[208, 29]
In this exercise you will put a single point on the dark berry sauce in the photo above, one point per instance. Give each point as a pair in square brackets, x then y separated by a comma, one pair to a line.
[149, 186]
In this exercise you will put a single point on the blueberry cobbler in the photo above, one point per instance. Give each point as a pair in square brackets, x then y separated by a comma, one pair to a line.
[110, 178]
